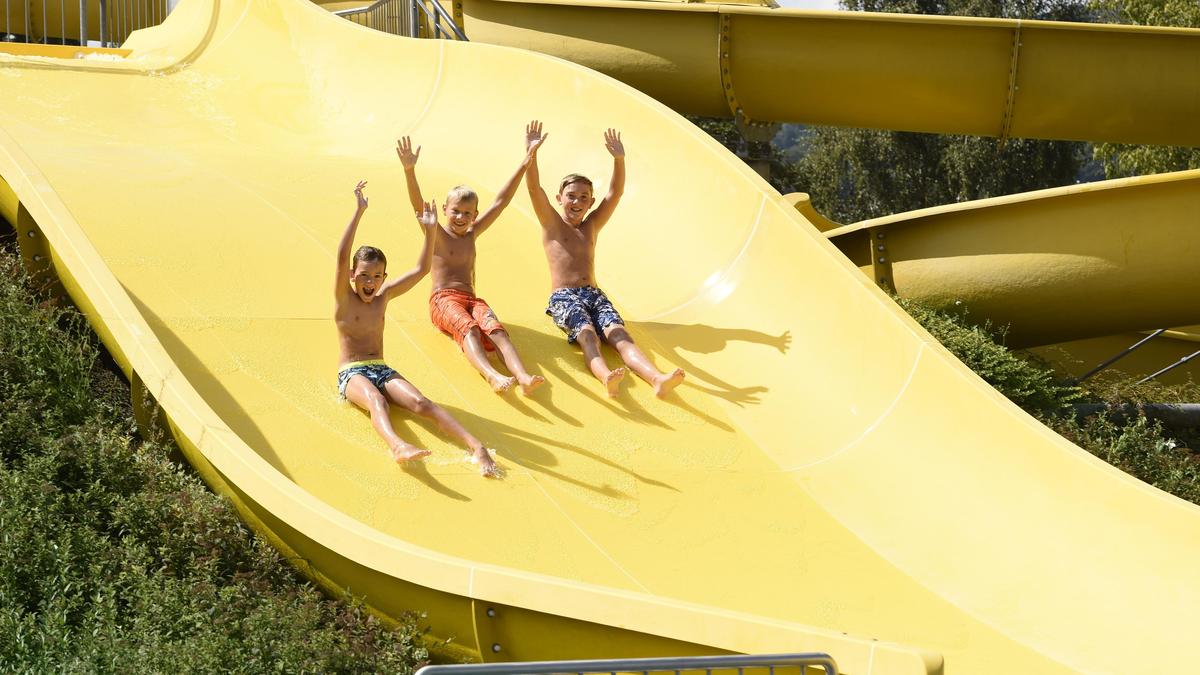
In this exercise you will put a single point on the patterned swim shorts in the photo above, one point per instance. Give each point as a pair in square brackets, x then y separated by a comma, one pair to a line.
[574, 308]
[375, 370]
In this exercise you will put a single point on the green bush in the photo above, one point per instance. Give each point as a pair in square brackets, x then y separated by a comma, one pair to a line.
[115, 559]
[1139, 446]
[1026, 382]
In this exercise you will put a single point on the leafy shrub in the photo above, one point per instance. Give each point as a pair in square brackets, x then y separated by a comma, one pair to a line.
[115, 559]
[1138, 446]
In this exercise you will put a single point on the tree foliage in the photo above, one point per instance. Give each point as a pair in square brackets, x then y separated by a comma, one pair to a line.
[1120, 159]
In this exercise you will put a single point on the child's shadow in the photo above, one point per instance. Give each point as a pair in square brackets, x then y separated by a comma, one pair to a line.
[547, 349]
[529, 451]
[701, 339]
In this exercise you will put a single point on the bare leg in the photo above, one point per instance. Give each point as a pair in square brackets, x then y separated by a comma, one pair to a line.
[590, 343]
[509, 352]
[363, 394]
[633, 357]
[477, 355]
[404, 394]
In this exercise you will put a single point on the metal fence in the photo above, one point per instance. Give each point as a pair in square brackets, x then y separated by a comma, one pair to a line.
[76, 22]
[411, 18]
[764, 664]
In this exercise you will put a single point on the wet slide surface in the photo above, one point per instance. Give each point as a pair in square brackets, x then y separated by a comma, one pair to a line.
[827, 468]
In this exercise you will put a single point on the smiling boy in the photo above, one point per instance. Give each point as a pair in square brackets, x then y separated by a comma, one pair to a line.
[359, 312]
[453, 306]
[569, 234]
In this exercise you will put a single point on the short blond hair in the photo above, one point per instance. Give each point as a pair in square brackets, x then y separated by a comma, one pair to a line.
[574, 178]
[461, 192]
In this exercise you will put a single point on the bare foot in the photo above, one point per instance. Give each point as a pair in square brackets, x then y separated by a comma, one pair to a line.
[530, 383]
[487, 465]
[665, 383]
[405, 452]
[501, 384]
[613, 381]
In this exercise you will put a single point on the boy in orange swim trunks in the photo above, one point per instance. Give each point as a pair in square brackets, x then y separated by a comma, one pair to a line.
[453, 307]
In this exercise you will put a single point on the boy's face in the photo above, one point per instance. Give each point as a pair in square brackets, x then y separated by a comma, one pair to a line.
[575, 200]
[367, 277]
[460, 214]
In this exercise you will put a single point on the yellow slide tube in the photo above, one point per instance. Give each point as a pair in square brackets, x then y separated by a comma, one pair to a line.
[829, 478]
[1081, 261]
[950, 75]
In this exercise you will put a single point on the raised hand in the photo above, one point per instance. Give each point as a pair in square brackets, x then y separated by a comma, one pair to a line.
[612, 142]
[358, 194]
[534, 136]
[427, 217]
[404, 151]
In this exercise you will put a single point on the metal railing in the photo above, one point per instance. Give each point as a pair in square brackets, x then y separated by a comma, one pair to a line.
[766, 664]
[1129, 350]
[76, 22]
[410, 18]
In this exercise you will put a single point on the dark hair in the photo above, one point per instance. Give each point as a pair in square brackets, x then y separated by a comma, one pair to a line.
[369, 254]
[573, 178]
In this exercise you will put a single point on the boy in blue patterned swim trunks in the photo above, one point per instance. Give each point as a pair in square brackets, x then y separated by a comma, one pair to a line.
[363, 377]
[569, 234]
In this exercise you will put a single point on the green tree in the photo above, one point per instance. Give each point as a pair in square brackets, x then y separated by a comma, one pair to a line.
[1122, 160]
[854, 174]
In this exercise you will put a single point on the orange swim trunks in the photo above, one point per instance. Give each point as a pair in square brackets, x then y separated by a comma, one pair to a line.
[455, 312]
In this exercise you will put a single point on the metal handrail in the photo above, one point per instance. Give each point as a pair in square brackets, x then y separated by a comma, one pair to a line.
[403, 17]
[118, 18]
[656, 665]
[436, 15]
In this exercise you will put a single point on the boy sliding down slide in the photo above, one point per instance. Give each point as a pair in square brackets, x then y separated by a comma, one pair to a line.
[453, 307]
[363, 377]
[569, 234]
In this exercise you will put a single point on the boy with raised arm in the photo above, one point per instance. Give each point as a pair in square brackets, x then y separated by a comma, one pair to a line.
[569, 234]
[453, 307]
[363, 377]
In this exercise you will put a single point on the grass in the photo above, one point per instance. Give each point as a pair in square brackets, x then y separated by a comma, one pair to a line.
[115, 559]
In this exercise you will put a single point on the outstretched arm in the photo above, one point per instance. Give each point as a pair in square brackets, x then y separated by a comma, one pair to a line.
[343, 253]
[489, 216]
[428, 220]
[541, 203]
[408, 159]
[616, 186]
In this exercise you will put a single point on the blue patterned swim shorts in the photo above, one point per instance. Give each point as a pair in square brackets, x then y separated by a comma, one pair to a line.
[375, 370]
[574, 308]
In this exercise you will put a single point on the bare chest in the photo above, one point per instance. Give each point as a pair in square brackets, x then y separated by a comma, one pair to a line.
[357, 318]
[455, 252]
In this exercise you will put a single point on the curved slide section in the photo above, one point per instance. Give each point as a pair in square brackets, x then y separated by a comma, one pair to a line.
[951, 75]
[828, 479]
[1055, 265]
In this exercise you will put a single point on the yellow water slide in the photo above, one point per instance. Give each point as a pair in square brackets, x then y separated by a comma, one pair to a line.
[829, 478]
[1057, 265]
[941, 74]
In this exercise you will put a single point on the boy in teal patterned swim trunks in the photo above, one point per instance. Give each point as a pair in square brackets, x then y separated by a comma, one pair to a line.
[569, 234]
[363, 377]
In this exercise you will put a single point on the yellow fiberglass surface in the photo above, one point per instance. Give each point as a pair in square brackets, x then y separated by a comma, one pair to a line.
[828, 479]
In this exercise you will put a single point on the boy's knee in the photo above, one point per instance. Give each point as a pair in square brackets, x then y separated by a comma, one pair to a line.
[377, 403]
[422, 406]
[586, 334]
[616, 333]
